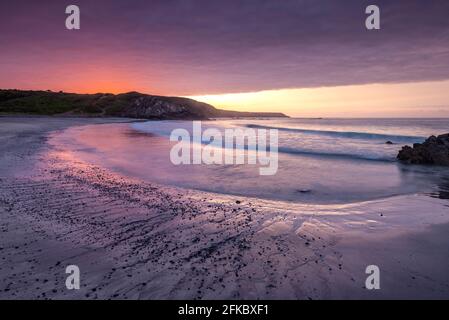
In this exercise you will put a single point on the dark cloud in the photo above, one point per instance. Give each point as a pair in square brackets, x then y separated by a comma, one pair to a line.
[204, 46]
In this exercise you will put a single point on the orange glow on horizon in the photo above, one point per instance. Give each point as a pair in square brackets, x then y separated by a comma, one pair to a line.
[421, 99]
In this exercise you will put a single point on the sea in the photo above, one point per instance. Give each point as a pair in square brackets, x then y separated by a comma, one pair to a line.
[320, 161]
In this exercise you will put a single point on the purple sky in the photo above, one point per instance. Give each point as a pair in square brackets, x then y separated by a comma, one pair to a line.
[191, 47]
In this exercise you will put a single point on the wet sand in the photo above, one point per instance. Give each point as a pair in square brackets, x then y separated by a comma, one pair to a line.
[140, 240]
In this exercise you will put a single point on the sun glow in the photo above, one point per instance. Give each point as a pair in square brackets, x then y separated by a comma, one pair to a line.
[423, 99]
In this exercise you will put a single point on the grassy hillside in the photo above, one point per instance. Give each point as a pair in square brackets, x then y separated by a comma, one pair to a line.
[51, 103]
[131, 104]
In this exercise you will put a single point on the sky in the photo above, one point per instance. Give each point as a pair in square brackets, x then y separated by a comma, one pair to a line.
[302, 57]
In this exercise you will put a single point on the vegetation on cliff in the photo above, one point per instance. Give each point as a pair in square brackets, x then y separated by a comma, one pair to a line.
[131, 104]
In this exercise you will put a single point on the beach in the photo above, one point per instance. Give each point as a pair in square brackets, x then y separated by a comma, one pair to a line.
[135, 237]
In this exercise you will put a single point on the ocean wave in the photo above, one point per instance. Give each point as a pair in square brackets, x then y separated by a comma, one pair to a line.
[323, 154]
[346, 134]
[164, 130]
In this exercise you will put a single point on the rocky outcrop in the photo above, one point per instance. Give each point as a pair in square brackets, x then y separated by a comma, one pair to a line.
[158, 107]
[435, 151]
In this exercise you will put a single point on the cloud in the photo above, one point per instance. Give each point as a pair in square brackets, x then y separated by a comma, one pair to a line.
[202, 46]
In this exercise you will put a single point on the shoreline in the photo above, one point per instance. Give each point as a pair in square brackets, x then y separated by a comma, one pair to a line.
[128, 149]
[141, 240]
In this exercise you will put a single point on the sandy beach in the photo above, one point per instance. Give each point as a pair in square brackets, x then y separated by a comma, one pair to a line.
[135, 239]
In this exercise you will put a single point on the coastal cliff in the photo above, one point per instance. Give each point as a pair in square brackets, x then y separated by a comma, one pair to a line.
[131, 104]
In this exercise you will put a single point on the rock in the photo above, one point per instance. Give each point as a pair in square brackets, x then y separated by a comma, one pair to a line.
[434, 151]
[157, 107]
[389, 142]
